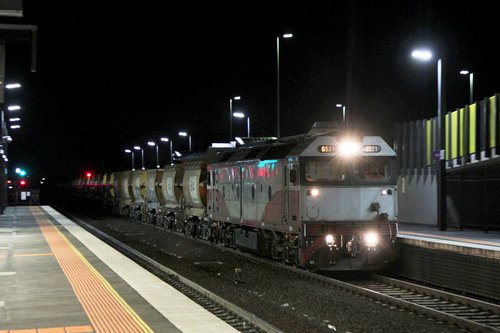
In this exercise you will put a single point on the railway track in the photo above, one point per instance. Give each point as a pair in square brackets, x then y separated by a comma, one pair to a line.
[235, 316]
[464, 312]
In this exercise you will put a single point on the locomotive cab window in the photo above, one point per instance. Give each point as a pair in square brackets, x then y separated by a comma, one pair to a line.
[373, 169]
[324, 169]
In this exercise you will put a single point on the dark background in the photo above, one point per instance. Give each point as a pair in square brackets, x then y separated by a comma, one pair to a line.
[112, 74]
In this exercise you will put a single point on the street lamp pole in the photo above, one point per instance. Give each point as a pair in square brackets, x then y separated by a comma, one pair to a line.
[236, 98]
[142, 155]
[343, 111]
[471, 84]
[426, 55]
[242, 115]
[184, 133]
[278, 82]
[131, 152]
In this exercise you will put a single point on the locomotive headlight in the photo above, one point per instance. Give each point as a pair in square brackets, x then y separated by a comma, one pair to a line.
[330, 240]
[349, 148]
[314, 192]
[371, 239]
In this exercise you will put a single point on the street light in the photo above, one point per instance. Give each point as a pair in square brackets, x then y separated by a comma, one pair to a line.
[242, 115]
[278, 81]
[236, 98]
[12, 86]
[343, 111]
[471, 84]
[164, 139]
[184, 133]
[131, 152]
[142, 155]
[153, 144]
[426, 55]
[13, 107]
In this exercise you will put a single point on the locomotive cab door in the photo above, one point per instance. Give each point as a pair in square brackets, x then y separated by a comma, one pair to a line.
[289, 204]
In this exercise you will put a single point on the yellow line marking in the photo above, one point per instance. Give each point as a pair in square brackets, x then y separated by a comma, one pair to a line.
[106, 309]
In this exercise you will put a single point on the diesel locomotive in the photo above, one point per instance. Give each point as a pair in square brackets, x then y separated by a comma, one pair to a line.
[326, 200]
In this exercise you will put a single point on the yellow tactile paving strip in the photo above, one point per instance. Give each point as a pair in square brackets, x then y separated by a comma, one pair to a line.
[105, 308]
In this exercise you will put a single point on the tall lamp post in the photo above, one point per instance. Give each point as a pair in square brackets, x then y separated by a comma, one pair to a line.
[471, 84]
[184, 134]
[426, 55]
[142, 155]
[242, 115]
[278, 81]
[165, 139]
[154, 144]
[343, 111]
[235, 98]
[131, 152]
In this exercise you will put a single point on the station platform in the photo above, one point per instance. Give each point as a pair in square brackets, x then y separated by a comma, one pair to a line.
[464, 261]
[55, 277]
[467, 241]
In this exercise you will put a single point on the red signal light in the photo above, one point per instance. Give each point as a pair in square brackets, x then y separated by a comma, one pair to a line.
[23, 182]
[88, 174]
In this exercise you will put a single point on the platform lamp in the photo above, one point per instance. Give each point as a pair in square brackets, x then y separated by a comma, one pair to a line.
[471, 84]
[131, 152]
[288, 35]
[165, 139]
[142, 155]
[426, 55]
[185, 134]
[235, 98]
[242, 115]
[154, 144]
[343, 111]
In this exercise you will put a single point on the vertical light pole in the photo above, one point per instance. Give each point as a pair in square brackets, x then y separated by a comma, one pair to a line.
[236, 98]
[142, 155]
[426, 55]
[154, 144]
[278, 81]
[471, 84]
[165, 139]
[343, 111]
[131, 152]
[184, 134]
[242, 115]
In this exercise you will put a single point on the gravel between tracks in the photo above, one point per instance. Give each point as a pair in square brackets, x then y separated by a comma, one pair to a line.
[291, 303]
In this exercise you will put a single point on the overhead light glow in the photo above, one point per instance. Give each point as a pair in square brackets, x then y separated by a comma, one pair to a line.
[237, 98]
[13, 108]
[164, 139]
[151, 143]
[137, 148]
[422, 54]
[15, 126]
[128, 151]
[13, 86]
[464, 72]
[338, 105]
[239, 115]
[14, 119]
[287, 35]
[183, 133]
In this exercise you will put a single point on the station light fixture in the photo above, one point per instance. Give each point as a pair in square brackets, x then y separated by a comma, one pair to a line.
[12, 86]
[13, 107]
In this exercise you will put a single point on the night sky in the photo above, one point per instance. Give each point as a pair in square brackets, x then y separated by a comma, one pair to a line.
[115, 75]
